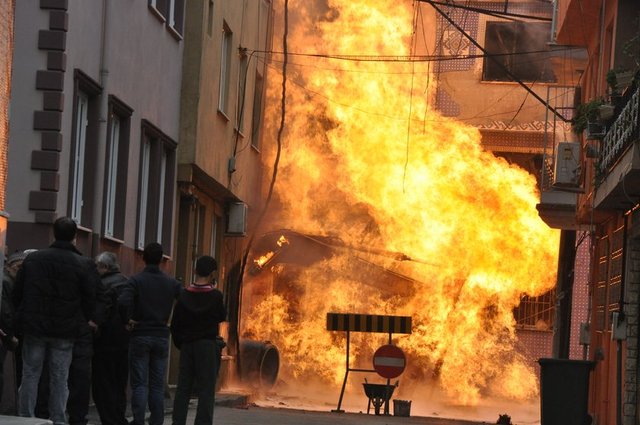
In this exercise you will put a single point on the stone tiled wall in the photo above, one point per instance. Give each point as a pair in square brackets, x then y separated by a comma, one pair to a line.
[6, 49]
[48, 120]
[580, 300]
[632, 292]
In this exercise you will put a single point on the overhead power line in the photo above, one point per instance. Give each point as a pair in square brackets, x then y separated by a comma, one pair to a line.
[413, 58]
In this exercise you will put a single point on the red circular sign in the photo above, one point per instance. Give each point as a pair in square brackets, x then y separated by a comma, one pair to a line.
[389, 361]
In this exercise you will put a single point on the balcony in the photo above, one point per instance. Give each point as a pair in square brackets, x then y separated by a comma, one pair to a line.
[617, 180]
[561, 172]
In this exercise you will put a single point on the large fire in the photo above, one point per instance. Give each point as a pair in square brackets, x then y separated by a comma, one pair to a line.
[365, 158]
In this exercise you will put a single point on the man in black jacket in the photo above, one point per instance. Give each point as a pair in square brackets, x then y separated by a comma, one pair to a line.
[110, 348]
[9, 341]
[145, 305]
[194, 328]
[54, 296]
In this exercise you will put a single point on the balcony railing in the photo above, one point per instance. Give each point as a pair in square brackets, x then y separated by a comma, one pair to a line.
[622, 133]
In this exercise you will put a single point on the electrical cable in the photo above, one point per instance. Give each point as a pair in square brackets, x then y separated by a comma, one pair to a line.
[408, 139]
[318, 94]
[276, 162]
[416, 58]
[504, 15]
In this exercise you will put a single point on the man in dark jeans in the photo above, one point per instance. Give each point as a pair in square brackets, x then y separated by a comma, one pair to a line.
[54, 296]
[194, 327]
[111, 345]
[145, 305]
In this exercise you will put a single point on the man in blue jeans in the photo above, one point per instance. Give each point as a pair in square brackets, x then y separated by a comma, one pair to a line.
[54, 295]
[145, 304]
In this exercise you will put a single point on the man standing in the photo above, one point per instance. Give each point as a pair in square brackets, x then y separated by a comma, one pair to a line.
[8, 340]
[145, 305]
[111, 345]
[194, 327]
[54, 296]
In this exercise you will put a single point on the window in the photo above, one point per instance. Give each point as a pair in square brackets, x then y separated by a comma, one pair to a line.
[117, 156]
[79, 151]
[159, 8]
[242, 84]
[82, 179]
[216, 235]
[156, 187]
[256, 116]
[607, 292]
[536, 313]
[176, 16]
[520, 49]
[171, 12]
[210, 19]
[144, 192]
[225, 70]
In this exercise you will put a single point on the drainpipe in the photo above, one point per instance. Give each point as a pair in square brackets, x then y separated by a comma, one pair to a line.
[103, 112]
[602, 49]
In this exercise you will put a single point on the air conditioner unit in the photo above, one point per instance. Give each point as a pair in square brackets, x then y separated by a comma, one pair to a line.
[237, 224]
[567, 165]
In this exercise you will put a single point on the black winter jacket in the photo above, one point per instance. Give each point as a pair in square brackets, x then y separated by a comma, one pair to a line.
[148, 298]
[197, 314]
[55, 292]
[112, 335]
[6, 308]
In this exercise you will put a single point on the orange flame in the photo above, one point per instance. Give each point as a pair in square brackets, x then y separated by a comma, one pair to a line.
[366, 158]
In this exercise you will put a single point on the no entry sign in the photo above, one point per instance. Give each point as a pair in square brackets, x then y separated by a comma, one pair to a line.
[389, 361]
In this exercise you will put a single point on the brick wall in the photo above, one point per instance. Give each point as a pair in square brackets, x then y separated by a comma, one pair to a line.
[6, 54]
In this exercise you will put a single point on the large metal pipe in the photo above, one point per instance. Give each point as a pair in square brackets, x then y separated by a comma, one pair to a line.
[260, 363]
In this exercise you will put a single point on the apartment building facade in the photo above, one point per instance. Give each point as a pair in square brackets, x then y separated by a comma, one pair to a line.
[219, 168]
[95, 124]
[606, 127]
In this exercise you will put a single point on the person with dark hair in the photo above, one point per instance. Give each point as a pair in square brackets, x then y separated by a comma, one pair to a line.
[110, 370]
[64, 229]
[8, 337]
[194, 327]
[55, 299]
[145, 306]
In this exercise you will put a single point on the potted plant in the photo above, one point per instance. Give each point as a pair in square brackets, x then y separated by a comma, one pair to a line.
[587, 116]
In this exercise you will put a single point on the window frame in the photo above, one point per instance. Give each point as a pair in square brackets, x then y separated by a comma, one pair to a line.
[157, 164]
[210, 19]
[257, 109]
[116, 171]
[226, 47]
[521, 65]
[80, 202]
[243, 71]
[159, 9]
[79, 154]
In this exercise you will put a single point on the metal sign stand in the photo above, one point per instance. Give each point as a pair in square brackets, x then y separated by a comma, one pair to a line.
[350, 369]
[350, 322]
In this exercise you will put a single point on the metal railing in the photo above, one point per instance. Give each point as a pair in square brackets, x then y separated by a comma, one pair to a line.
[622, 133]
[556, 131]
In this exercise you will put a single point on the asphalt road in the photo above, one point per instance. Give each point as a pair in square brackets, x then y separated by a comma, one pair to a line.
[253, 415]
